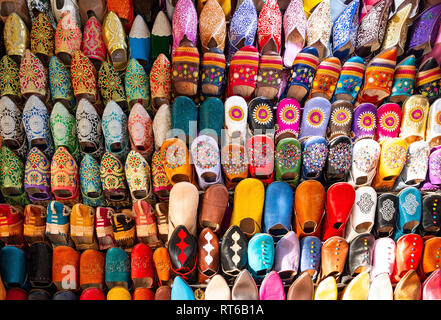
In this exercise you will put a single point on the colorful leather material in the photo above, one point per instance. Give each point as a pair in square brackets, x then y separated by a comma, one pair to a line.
[269, 27]
[319, 28]
[396, 30]
[58, 223]
[360, 254]
[327, 289]
[42, 37]
[409, 251]
[63, 128]
[287, 256]
[339, 201]
[431, 214]
[104, 229]
[428, 79]
[243, 70]
[278, 209]
[92, 294]
[339, 159]
[67, 37]
[212, 26]
[124, 10]
[141, 265]
[287, 118]
[12, 228]
[82, 227]
[272, 287]
[260, 255]
[244, 287]
[315, 118]
[430, 260]
[383, 259]
[302, 288]
[117, 268]
[431, 285]
[260, 116]
[387, 213]
[37, 176]
[234, 251]
[234, 164]
[350, 80]
[208, 264]
[270, 76]
[34, 223]
[65, 268]
[213, 206]
[287, 161]
[13, 267]
[206, 159]
[379, 77]
[294, 26]
[182, 248]
[84, 77]
[415, 169]
[138, 176]
[92, 43]
[340, 120]
[176, 160]
[236, 115]
[260, 149]
[12, 171]
[114, 125]
[409, 287]
[137, 85]
[183, 112]
[213, 71]
[90, 136]
[161, 36]
[185, 69]
[33, 76]
[211, 119]
[92, 264]
[410, 205]
[110, 84]
[185, 23]
[124, 231]
[334, 254]
[183, 194]
[365, 155]
[344, 30]
[388, 121]
[433, 132]
[114, 38]
[424, 30]
[404, 80]
[217, 289]
[314, 154]
[43, 6]
[146, 228]
[243, 26]
[160, 78]
[112, 177]
[161, 184]
[64, 176]
[140, 128]
[326, 78]
[181, 290]
[10, 78]
[139, 41]
[365, 121]
[16, 35]
[119, 293]
[434, 162]
[358, 288]
[12, 130]
[60, 83]
[413, 124]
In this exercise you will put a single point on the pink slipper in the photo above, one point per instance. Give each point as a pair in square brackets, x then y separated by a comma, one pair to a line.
[294, 25]
[185, 23]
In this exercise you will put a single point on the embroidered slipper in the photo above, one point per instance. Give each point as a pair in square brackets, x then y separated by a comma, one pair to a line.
[302, 73]
[160, 82]
[350, 80]
[185, 23]
[161, 184]
[396, 30]
[392, 159]
[36, 123]
[379, 77]
[34, 225]
[365, 122]
[213, 72]
[64, 130]
[137, 87]
[433, 132]
[142, 269]
[404, 80]
[104, 229]
[206, 158]
[260, 150]
[16, 37]
[89, 130]
[92, 264]
[183, 195]
[261, 117]
[11, 184]
[67, 38]
[338, 6]
[436, 49]
[140, 42]
[234, 164]
[10, 80]
[269, 76]
[344, 30]
[326, 77]
[385, 221]
[184, 117]
[424, 31]
[64, 257]
[185, 68]
[315, 118]
[84, 77]
[236, 115]
[212, 26]
[111, 86]
[162, 38]
[399, 4]
[140, 127]
[138, 176]
[117, 267]
[269, 28]
[243, 27]
[314, 154]
[340, 121]
[90, 182]
[372, 28]
[309, 5]
[64, 177]
[211, 118]
[365, 155]
[161, 125]
[176, 161]
[124, 10]
[61, 7]
[114, 185]
[114, 125]
[89, 8]
[319, 28]
[361, 220]
[414, 118]
[339, 160]
[428, 80]
[33, 77]
[242, 78]
[60, 84]
[294, 26]
[114, 38]
[287, 119]
[82, 228]
[433, 178]
[287, 161]
[42, 38]
[388, 121]
[415, 169]
[12, 130]
[58, 224]
[18, 7]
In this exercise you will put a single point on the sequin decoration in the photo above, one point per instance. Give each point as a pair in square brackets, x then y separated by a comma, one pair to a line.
[340, 156]
[288, 155]
[174, 156]
[234, 162]
[261, 154]
[365, 158]
[314, 157]
[206, 155]
[395, 157]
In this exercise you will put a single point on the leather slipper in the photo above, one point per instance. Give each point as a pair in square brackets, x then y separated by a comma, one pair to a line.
[294, 26]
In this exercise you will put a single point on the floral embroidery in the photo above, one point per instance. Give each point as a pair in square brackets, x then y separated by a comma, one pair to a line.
[387, 210]
[410, 204]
